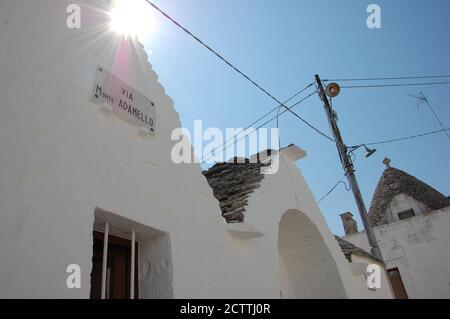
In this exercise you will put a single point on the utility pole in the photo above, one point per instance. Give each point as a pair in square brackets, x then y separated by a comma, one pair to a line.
[349, 170]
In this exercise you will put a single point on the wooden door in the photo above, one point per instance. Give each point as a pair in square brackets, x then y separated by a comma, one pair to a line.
[118, 268]
[397, 284]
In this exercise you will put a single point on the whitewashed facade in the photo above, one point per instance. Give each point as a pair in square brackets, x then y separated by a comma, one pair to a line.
[69, 166]
[411, 222]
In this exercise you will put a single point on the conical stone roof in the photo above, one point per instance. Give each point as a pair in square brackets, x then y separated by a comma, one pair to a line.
[394, 182]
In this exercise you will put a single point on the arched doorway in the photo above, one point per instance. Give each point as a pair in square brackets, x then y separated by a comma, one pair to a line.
[306, 267]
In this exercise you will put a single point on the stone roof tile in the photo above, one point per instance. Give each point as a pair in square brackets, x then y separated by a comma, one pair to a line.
[232, 184]
[394, 182]
[348, 249]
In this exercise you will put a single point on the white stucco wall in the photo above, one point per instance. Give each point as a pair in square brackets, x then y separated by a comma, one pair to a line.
[264, 211]
[62, 157]
[418, 247]
[384, 291]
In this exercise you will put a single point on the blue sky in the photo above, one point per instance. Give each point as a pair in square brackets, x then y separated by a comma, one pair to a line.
[282, 44]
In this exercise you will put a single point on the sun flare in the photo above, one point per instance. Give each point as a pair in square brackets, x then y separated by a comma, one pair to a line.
[132, 18]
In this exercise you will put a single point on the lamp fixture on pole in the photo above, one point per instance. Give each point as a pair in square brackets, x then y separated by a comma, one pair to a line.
[369, 151]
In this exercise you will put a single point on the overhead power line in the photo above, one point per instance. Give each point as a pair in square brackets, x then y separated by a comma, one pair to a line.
[389, 78]
[257, 128]
[248, 78]
[332, 189]
[254, 83]
[377, 143]
[196, 38]
[406, 138]
[393, 85]
[260, 118]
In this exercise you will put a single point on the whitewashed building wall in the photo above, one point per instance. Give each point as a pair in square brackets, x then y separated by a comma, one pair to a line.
[418, 247]
[67, 166]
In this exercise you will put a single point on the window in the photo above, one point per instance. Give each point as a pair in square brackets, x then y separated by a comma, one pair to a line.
[406, 214]
[115, 262]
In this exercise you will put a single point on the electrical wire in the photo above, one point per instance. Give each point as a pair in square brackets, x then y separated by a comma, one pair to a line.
[278, 126]
[406, 138]
[248, 78]
[332, 189]
[278, 112]
[352, 156]
[377, 143]
[389, 78]
[393, 85]
[253, 82]
[260, 118]
[257, 128]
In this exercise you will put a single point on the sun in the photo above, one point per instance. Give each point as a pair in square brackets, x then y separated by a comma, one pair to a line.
[132, 18]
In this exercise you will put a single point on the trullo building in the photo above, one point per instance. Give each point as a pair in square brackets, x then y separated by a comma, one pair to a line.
[411, 221]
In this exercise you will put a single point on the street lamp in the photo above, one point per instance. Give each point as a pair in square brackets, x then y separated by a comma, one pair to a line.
[369, 151]
[333, 90]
